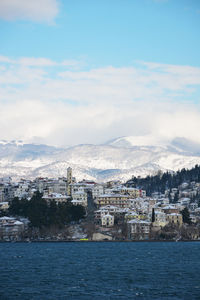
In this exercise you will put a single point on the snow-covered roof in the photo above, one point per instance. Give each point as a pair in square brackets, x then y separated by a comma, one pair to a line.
[79, 193]
[169, 207]
[136, 221]
[113, 196]
[173, 214]
[107, 215]
[7, 218]
[77, 201]
[18, 223]
[108, 207]
[157, 212]
[55, 195]
[131, 213]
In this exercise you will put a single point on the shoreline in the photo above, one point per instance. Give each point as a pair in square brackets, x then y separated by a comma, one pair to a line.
[100, 241]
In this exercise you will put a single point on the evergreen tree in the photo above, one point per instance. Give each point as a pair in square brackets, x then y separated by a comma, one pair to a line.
[15, 206]
[42, 214]
[186, 216]
[38, 211]
[165, 181]
[153, 215]
[176, 198]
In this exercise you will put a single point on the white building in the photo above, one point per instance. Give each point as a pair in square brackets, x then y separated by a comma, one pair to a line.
[107, 220]
[139, 229]
[97, 190]
[10, 228]
[1, 192]
[60, 186]
[4, 205]
[79, 198]
[58, 198]
[160, 219]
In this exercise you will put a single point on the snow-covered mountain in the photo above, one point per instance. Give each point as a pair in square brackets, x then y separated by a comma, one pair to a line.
[117, 159]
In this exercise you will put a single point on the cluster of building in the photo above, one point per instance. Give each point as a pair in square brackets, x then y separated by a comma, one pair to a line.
[137, 213]
[12, 229]
[112, 203]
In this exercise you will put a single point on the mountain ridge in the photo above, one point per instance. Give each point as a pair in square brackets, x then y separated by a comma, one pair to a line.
[112, 160]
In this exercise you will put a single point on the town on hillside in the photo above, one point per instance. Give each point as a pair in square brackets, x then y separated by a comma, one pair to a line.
[161, 207]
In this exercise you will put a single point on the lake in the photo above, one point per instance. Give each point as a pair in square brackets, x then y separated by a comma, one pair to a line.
[104, 270]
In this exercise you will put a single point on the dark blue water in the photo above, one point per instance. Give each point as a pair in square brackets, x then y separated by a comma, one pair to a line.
[100, 270]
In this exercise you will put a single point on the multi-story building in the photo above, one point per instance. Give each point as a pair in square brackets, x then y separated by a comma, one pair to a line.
[107, 220]
[138, 229]
[133, 192]
[97, 190]
[113, 199]
[58, 198]
[170, 209]
[10, 228]
[9, 192]
[160, 219]
[79, 198]
[1, 192]
[174, 219]
[60, 186]
[115, 211]
[22, 190]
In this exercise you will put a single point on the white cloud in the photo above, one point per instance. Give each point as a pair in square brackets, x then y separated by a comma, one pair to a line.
[69, 107]
[5, 59]
[42, 62]
[34, 10]
[32, 61]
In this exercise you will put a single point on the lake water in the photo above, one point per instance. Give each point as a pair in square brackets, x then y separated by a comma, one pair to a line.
[106, 270]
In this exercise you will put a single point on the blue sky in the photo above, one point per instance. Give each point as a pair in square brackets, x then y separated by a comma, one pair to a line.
[113, 32]
[123, 65]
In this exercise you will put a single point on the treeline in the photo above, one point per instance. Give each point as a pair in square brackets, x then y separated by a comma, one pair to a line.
[167, 180]
[43, 214]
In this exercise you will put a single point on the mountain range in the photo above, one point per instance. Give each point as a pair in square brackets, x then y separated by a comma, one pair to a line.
[116, 159]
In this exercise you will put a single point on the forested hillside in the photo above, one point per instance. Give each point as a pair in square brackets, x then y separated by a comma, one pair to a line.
[167, 180]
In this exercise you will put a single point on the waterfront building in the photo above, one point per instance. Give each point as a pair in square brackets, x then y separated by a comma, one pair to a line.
[11, 229]
[160, 219]
[174, 219]
[107, 220]
[170, 209]
[138, 229]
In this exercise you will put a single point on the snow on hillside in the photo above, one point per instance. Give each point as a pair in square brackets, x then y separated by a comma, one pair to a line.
[131, 141]
[117, 159]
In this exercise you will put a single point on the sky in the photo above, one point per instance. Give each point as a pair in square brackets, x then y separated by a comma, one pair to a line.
[77, 72]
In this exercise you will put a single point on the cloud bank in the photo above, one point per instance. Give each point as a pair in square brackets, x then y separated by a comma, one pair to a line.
[34, 10]
[58, 103]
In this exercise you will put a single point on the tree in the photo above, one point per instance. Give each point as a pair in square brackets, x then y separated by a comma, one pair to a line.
[176, 197]
[186, 216]
[77, 212]
[161, 182]
[52, 213]
[18, 207]
[43, 214]
[153, 215]
[38, 211]
[15, 206]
